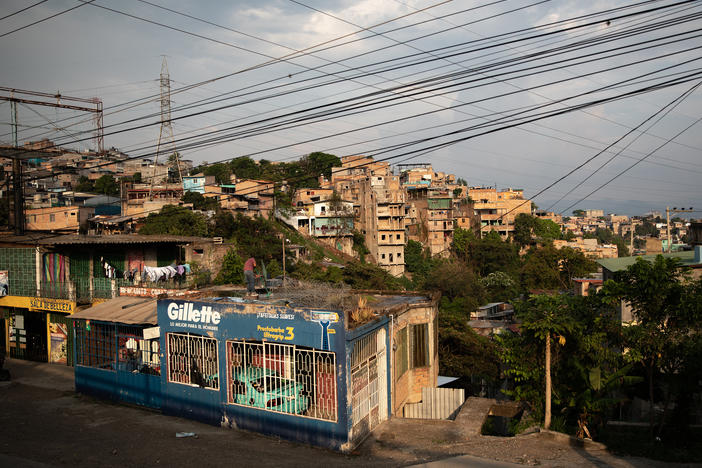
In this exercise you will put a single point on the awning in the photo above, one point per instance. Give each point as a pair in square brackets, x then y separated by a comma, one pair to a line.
[124, 309]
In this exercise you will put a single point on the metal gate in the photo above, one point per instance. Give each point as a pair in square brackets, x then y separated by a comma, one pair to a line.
[28, 336]
[368, 384]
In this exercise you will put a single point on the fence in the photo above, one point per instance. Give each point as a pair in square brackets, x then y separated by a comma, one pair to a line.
[437, 403]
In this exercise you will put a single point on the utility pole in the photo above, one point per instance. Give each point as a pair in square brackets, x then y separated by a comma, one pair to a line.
[17, 188]
[165, 135]
[35, 98]
[631, 238]
[284, 259]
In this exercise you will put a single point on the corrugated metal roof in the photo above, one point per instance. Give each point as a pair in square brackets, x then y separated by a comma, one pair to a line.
[79, 239]
[123, 309]
[687, 258]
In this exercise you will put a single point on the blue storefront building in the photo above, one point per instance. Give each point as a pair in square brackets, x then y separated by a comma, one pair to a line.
[318, 375]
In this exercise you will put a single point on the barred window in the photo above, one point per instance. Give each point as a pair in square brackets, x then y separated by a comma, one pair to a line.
[192, 360]
[282, 378]
[135, 354]
[420, 348]
[116, 348]
[435, 325]
[401, 364]
[95, 345]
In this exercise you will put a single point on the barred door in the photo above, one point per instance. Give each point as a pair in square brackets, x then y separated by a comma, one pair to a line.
[367, 364]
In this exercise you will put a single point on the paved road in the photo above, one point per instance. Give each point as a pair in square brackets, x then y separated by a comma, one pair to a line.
[43, 422]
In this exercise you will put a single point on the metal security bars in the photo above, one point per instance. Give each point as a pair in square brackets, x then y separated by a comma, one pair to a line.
[135, 353]
[365, 400]
[363, 349]
[401, 359]
[96, 345]
[282, 378]
[420, 345]
[193, 360]
[116, 348]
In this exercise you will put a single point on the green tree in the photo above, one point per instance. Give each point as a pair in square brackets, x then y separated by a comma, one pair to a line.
[107, 185]
[544, 317]
[667, 308]
[220, 171]
[418, 262]
[500, 286]
[546, 267]
[322, 163]
[578, 213]
[367, 276]
[359, 245]
[524, 227]
[461, 291]
[646, 228]
[464, 353]
[232, 271]
[274, 269]
[199, 201]
[84, 185]
[245, 168]
[175, 220]
[528, 227]
[486, 255]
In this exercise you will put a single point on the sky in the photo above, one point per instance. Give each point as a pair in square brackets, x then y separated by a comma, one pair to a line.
[583, 105]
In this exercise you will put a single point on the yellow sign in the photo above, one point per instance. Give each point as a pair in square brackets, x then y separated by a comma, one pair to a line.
[277, 333]
[39, 303]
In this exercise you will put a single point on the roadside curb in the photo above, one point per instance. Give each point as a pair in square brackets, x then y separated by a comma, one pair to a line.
[566, 439]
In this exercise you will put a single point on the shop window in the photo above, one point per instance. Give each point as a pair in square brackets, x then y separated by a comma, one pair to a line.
[282, 378]
[192, 360]
[95, 345]
[401, 353]
[420, 345]
[135, 354]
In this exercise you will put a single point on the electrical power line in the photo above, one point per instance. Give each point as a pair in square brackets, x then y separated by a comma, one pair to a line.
[23, 9]
[85, 2]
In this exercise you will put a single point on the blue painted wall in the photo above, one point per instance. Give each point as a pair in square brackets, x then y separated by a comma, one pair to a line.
[255, 321]
[129, 387]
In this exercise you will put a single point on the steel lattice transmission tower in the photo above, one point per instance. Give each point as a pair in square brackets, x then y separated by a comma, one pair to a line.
[166, 141]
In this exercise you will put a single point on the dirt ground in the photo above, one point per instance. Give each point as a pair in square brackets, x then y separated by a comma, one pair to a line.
[58, 427]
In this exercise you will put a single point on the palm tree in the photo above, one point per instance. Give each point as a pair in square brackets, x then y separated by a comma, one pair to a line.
[546, 316]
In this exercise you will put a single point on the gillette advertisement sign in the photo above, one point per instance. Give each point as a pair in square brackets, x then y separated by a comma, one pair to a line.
[185, 315]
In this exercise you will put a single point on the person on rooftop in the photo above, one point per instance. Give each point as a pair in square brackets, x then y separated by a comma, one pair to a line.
[249, 274]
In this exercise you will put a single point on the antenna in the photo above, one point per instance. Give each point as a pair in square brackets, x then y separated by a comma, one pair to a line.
[165, 136]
